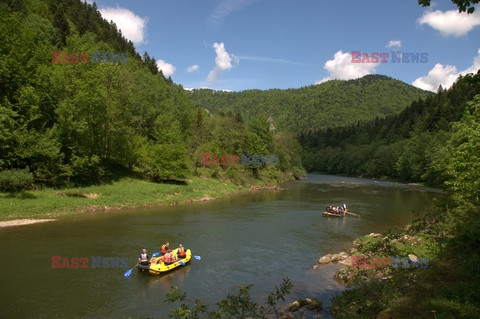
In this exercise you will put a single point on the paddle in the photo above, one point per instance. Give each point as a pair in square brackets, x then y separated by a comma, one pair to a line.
[197, 257]
[182, 263]
[128, 272]
[352, 214]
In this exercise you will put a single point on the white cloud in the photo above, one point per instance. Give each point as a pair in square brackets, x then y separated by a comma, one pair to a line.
[131, 25]
[394, 43]
[342, 68]
[192, 68]
[223, 10]
[166, 68]
[452, 22]
[444, 75]
[223, 62]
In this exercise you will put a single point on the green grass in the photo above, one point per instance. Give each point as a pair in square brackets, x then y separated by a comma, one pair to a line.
[126, 192]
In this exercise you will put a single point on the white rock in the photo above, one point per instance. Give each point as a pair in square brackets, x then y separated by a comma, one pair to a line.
[413, 258]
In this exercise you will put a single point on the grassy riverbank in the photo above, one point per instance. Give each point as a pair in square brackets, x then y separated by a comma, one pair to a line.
[123, 193]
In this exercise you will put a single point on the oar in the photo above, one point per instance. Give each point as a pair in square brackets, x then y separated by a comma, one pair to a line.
[128, 272]
[197, 257]
[352, 214]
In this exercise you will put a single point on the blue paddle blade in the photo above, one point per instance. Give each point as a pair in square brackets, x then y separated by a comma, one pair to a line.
[127, 273]
[182, 263]
[155, 254]
[197, 257]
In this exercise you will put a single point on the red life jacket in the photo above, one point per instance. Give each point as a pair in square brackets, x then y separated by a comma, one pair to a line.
[164, 248]
[168, 258]
[181, 252]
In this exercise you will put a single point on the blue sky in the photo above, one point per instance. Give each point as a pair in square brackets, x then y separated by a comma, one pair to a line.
[263, 44]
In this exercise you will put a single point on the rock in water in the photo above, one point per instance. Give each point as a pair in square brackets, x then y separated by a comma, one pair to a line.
[315, 305]
[333, 257]
[294, 306]
[373, 235]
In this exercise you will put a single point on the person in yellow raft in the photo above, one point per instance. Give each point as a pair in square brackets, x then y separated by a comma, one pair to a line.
[181, 252]
[168, 258]
[164, 249]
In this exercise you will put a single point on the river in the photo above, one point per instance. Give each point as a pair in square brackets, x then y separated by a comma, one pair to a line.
[256, 238]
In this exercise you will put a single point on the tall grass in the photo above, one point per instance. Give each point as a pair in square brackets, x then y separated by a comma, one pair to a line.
[126, 192]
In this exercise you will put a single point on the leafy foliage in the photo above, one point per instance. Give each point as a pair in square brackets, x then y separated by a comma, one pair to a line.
[407, 146]
[239, 305]
[330, 104]
[15, 180]
[463, 165]
[82, 123]
[463, 5]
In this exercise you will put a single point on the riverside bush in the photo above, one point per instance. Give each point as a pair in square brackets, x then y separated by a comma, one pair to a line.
[15, 180]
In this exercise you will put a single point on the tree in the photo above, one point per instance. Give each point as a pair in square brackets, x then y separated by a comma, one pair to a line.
[150, 63]
[463, 166]
[239, 305]
[463, 5]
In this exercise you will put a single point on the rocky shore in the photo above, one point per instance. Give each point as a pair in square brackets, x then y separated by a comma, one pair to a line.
[367, 248]
[307, 304]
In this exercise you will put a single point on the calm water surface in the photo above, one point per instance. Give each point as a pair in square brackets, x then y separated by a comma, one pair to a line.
[257, 238]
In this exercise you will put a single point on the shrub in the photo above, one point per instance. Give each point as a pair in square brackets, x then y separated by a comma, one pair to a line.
[86, 170]
[15, 180]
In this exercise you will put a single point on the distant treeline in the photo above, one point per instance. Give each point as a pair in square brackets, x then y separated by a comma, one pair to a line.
[411, 146]
[81, 123]
[329, 104]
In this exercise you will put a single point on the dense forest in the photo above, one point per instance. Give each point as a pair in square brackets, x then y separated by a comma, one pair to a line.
[410, 146]
[330, 104]
[67, 124]
[436, 141]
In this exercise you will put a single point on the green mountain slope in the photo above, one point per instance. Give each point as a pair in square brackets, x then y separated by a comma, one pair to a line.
[330, 104]
[407, 146]
[64, 122]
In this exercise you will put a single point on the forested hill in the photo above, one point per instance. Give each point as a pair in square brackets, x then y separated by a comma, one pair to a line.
[329, 104]
[71, 119]
[410, 146]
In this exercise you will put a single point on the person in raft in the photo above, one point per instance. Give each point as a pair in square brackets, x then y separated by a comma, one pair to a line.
[181, 252]
[143, 259]
[165, 248]
[167, 258]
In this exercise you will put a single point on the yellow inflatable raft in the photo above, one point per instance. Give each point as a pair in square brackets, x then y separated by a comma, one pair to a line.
[158, 267]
